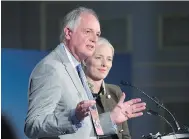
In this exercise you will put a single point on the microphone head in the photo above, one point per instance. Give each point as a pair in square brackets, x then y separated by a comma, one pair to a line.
[124, 83]
[151, 112]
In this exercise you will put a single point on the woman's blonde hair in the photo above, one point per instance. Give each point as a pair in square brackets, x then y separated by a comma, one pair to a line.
[102, 40]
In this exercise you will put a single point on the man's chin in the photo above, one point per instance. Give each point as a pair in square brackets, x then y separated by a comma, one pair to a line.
[89, 54]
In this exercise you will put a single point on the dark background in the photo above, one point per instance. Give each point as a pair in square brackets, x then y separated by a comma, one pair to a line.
[151, 41]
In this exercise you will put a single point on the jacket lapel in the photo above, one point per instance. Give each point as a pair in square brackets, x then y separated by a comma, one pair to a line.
[76, 80]
[107, 103]
[71, 71]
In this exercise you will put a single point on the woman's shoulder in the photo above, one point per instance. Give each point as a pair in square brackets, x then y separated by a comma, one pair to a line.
[114, 91]
[112, 87]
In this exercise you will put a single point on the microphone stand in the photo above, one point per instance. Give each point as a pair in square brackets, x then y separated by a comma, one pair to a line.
[160, 105]
[151, 112]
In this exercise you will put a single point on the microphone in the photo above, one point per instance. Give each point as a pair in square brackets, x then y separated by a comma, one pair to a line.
[151, 112]
[160, 105]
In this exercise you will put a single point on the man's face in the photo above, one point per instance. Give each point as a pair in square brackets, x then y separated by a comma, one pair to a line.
[82, 40]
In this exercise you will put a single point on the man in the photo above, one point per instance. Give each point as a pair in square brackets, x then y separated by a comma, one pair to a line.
[59, 103]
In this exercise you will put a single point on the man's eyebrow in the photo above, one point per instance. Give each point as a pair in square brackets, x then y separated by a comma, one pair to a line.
[93, 30]
[88, 29]
[103, 55]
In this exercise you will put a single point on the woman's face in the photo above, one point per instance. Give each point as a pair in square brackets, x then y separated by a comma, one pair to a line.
[99, 65]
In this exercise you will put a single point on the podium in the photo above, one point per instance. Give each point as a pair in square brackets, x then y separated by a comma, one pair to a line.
[168, 136]
[175, 136]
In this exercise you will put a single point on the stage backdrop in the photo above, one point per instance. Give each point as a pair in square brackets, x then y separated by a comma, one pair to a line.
[16, 68]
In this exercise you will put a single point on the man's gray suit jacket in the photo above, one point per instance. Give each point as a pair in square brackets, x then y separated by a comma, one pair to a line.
[54, 90]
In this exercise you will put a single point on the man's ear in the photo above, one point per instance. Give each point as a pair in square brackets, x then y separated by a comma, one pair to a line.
[68, 33]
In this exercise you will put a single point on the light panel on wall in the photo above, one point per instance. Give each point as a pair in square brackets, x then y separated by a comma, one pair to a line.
[118, 32]
[174, 31]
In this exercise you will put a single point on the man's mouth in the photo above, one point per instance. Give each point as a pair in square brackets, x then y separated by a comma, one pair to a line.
[91, 47]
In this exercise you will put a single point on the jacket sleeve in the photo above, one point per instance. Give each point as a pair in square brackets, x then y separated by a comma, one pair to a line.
[125, 134]
[108, 126]
[43, 120]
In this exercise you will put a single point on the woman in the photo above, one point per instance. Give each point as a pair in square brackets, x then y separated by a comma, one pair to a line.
[107, 96]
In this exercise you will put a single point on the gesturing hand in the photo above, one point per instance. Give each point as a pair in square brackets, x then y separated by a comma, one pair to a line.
[126, 110]
[82, 109]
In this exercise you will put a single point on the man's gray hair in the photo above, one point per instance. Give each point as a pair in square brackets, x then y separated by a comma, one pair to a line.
[72, 19]
[102, 40]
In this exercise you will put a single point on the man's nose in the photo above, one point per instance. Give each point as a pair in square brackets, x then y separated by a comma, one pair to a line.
[94, 38]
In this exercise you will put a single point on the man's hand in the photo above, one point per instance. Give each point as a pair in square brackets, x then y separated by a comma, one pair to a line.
[126, 110]
[82, 109]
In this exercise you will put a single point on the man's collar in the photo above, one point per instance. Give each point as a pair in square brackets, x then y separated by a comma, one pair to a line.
[70, 56]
